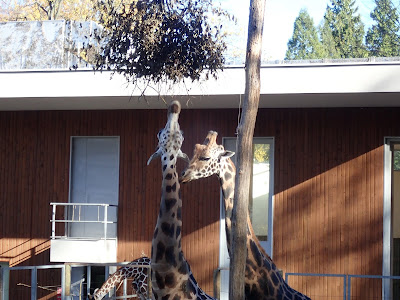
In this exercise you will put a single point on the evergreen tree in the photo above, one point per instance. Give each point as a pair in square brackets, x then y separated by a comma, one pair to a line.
[347, 28]
[304, 43]
[327, 41]
[383, 39]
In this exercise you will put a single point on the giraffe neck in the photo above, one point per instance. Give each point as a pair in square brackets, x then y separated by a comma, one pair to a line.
[259, 265]
[171, 276]
[169, 267]
[113, 281]
[137, 273]
[227, 176]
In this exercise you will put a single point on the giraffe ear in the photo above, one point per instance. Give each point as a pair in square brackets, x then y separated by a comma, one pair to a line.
[154, 155]
[226, 154]
[183, 156]
[94, 293]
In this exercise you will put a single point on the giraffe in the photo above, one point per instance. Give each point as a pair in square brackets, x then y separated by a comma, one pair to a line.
[262, 279]
[132, 270]
[171, 276]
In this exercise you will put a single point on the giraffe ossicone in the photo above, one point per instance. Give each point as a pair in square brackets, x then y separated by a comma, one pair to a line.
[173, 111]
[170, 272]
[262, 279]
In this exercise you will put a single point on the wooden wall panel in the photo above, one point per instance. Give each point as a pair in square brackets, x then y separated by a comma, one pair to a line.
[328, 186]
[328, 213]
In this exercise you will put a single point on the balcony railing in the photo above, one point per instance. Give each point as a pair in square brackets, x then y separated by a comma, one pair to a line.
[75, 213]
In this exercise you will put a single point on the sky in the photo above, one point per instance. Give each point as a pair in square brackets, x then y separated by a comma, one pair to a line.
[280, 16]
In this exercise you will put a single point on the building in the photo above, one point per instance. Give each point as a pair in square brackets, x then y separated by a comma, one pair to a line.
[326, 197]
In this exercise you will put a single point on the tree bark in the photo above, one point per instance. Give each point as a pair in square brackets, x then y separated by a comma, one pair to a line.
[244, 150]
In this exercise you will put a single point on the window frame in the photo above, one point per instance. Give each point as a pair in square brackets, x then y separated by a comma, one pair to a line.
[267, 245]
[67, 225]
[388, 143]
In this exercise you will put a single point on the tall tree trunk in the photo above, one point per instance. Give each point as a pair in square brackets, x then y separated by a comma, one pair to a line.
[244, 150]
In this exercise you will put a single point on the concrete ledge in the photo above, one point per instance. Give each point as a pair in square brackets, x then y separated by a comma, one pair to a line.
[83, 251]
[346, 85]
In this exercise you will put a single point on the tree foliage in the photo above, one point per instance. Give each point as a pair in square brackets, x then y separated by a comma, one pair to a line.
[155, 39]
[261, 153]
[304, 43]
[38, 10]
[396, 160]
[341, 33]
[383, 38]
[160, 39]
[347, 28]
[327, 41]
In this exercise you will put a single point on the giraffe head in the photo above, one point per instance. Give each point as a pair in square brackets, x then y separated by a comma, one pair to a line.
[170, 138]
[96, 295]
[208, 159]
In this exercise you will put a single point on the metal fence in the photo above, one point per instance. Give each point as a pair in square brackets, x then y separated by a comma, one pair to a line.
[66, 287]
[347, 279]
[34, 270]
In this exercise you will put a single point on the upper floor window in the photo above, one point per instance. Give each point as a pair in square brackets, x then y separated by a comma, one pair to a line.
[94, 179]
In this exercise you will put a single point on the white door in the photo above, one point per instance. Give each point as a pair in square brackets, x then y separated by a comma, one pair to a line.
[94, 178]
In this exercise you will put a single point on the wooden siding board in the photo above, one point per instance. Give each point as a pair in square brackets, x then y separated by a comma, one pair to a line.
[9, 174]
[149, 144]
[43, 160]
[136, 193]
[124, 161]
[141, 159]
[134, 190]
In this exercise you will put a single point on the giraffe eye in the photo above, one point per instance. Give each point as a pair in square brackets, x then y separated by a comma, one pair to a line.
[202, 158]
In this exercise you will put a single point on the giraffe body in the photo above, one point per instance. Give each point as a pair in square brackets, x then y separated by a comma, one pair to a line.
[139, 279]
[170, 272]
[262, 279]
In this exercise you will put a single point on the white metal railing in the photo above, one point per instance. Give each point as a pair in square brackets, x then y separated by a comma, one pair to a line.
[75, 218]
[66, 271]
[347, 281]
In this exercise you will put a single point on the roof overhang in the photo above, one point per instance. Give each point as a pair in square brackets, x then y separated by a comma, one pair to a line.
[282, 86]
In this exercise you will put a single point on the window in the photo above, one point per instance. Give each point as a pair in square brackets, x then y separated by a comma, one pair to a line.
[259, 191]
[94, 180]
[260, 200]
[396, 160]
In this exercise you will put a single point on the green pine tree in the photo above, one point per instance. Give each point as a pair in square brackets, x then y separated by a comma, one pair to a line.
[327, 41]
[347, 28]
[383, 39]
[304, 43]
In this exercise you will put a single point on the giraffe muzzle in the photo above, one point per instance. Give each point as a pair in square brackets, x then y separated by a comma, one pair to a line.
[184, 178]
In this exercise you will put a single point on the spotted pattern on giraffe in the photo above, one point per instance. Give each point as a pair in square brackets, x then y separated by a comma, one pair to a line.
[139, 279]
[171, 274]
[262, 279]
